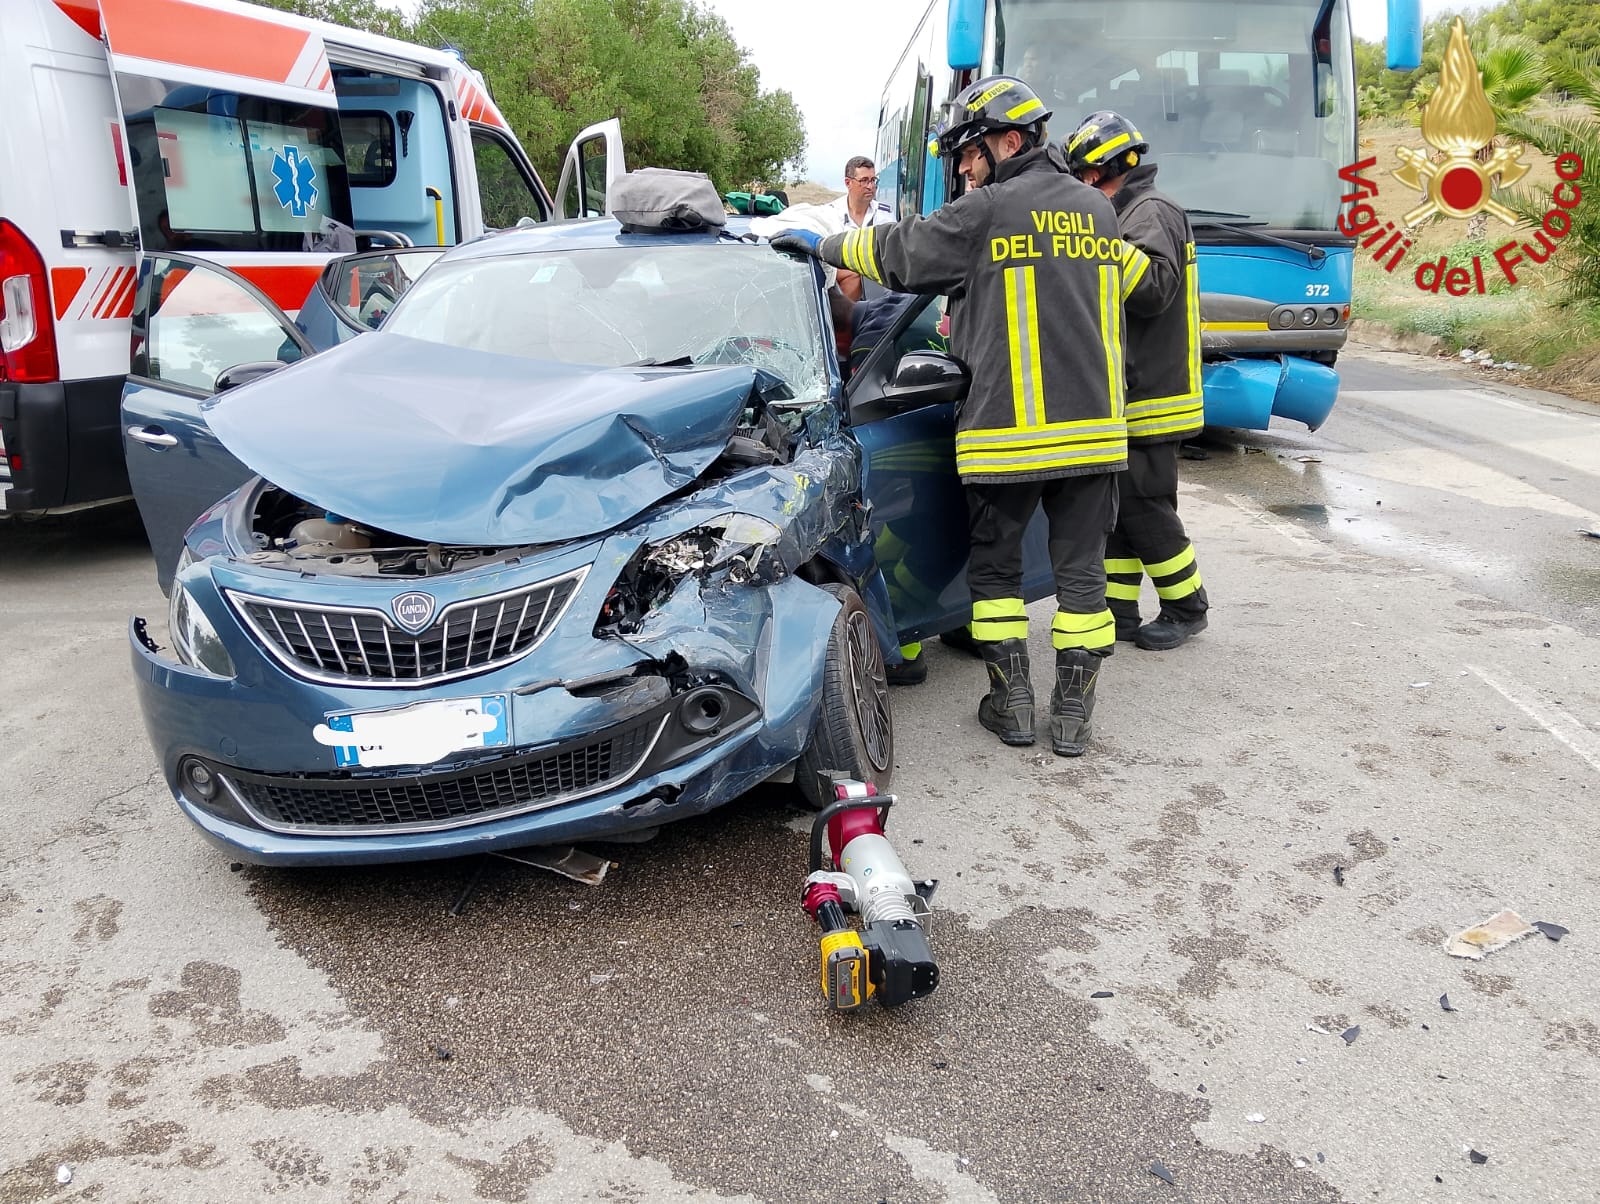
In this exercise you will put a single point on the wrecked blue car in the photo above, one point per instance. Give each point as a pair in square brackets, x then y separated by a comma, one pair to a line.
[590, 536]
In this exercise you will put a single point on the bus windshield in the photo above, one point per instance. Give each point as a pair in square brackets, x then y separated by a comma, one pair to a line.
[1248, 105]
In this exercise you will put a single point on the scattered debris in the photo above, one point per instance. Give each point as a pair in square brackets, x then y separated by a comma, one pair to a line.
[1446, 1005]
[1255, 451]
[1101, 995]
[1589, 533]
[1338, 875]
[940, 1065]
[63, 1173]
[1554, 931]
[1320, 1157]
[1309, 459]
[1300, 1164]
[1477, 1158]
[1438, 1179]
[441, 1053]
[1162, 1173]
[564, 860]
[235, 866]
[1350, 1034]
[1420, 685]
[1201, 1088]
[1496, 932]
[1256, 1118]
[599, 979]
[1318, 1029]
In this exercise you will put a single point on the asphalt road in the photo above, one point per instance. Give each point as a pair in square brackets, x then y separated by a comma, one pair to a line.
[1398, 684]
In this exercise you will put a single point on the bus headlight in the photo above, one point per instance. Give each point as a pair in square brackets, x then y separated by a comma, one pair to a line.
[1308, 316]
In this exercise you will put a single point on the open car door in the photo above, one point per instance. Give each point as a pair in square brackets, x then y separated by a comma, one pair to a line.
[593, 163]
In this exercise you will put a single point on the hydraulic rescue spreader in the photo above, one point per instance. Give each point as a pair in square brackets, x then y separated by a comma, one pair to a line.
[888, 958]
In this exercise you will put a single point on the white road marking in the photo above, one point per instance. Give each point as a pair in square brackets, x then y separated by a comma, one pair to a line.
[1563, 727]
[1288, 530]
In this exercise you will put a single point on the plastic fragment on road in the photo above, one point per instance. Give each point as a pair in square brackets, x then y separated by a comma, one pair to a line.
[564, 860]
[1256, 1118]
[1102, 995]
[63, 1173]
[1446, 1005]
[1554, 931]
[1477, 1158]
[1590, 533]
[1338, 875]
[1162, 1173]
[1420, 685]
[1496, 932]
[1350, 1034]
[1318, 1029]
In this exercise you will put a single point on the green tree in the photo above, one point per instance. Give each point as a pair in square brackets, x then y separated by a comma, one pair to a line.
[1575, 132]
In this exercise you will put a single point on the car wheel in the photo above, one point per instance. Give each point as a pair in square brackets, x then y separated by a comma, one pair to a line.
[855, 727]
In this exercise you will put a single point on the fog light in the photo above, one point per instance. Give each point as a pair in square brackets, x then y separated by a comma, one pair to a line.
[1285, 318]
[198, 778]
[1330, 316]
[702, 710]
[1308, 316]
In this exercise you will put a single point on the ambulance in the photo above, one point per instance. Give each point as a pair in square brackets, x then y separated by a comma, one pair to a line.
[249, 147]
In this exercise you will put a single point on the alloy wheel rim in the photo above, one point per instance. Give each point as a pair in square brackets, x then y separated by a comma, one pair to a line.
[869, 690]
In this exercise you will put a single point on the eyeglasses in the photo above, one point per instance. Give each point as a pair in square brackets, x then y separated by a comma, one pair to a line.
[872, 180]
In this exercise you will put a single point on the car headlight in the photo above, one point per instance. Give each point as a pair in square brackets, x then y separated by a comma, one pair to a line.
[194, 639]
[736, 542]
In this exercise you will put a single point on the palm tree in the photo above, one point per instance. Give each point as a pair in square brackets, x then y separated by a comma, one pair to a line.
[1577, 133]
[1514, 75]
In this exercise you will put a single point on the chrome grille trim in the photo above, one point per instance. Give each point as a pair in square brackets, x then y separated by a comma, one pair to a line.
[646, 732]
[371, 658]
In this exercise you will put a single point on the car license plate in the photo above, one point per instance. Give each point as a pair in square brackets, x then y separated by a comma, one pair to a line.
[419, 734]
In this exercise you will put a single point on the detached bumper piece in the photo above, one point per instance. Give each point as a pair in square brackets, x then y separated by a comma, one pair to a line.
[387, 803]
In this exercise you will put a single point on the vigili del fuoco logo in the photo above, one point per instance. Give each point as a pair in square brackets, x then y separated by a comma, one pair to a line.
[1458, 123]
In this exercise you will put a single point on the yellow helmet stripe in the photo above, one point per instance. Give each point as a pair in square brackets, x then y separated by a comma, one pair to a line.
[1024, 108]
[1100, 152]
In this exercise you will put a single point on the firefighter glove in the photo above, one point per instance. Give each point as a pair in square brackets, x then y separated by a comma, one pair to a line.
[798, 242]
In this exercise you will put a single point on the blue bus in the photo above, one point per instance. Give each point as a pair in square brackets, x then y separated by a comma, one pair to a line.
[1250, 110]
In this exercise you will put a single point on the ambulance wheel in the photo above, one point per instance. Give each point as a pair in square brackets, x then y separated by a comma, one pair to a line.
[855, 727]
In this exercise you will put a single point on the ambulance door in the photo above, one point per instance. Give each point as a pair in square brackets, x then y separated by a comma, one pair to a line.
[232, 129]
[198, 330]
[593, 163]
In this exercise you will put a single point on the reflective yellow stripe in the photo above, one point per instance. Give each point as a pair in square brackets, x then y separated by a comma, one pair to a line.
[846, 249]
[1026, 106]
[1236, 325]
[1071, 430]
[1168, 567]
[912, 650]
[1183, 589]
[1124, 565]
[1078, 139]
[871, 245]
[1083, 631]
[1100, 152]
[999, 619]
[1036, 403]
[1177, 422]
[1140, 263]
[1122, 592]
[1111, 336]
[1192, 272]
[1158, 405]
[1019, 399]
[1039, 461]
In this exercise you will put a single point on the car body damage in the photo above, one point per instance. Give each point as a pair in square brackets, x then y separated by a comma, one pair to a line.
[496, 601]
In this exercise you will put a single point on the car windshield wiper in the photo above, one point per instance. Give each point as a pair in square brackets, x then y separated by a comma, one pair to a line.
[680, 361]
[1214, 219]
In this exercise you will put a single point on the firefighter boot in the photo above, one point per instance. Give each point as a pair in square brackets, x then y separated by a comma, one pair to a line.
[1072, 701]
[1127, 616]
[1174, 625]
[1007, 709]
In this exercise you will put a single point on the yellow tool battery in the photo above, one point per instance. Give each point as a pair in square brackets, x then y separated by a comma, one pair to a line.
[844, 970]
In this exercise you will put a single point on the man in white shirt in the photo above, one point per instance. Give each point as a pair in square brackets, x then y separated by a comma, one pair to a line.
[859, 205]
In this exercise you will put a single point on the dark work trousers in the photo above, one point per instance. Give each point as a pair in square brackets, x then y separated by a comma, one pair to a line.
[1081, 512]
[1149, 538]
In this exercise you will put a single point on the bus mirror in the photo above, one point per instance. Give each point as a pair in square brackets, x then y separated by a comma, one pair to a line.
[1404, 43]
[964, 34]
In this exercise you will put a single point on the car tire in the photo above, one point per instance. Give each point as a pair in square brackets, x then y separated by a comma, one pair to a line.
[854, 734]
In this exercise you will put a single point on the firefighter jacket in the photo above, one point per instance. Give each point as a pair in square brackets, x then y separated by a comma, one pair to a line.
[1164, 394]
[1035, 272]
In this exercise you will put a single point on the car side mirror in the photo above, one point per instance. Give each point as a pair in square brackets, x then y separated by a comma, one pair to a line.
[927, 378]
[243, 374]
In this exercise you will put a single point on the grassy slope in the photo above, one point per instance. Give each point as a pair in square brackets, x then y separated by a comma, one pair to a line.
[1523, 323]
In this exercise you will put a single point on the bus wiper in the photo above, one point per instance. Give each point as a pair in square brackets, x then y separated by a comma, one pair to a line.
[1211, 219]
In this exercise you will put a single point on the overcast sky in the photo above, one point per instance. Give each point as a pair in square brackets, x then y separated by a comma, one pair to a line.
[834, 56]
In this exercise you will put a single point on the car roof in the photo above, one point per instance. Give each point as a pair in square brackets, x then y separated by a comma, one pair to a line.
[589, 233]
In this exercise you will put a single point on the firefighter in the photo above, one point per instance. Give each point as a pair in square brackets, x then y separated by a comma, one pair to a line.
[1034, 267]
[1164, 398]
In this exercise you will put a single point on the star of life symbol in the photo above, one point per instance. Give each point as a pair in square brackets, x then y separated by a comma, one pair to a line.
[296, 188]
[1458, 122]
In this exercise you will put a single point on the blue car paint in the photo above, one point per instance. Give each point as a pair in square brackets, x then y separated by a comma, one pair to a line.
[498, 449]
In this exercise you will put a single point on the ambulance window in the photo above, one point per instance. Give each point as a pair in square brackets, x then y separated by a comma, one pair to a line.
[505, 193]
[199, 322]
[368, 147]
[221, 171]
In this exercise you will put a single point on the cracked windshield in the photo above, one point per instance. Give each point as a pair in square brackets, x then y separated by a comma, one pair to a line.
[1246, 104]
[620, 307]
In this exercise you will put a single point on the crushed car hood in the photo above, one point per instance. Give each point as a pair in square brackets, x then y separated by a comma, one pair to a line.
[447, 445]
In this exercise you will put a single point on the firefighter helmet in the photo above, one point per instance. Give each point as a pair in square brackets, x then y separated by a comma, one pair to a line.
[990, 106]
[1105, 140]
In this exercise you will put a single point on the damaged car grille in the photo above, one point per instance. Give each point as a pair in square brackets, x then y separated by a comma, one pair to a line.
[428, 802]
[363, 646]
